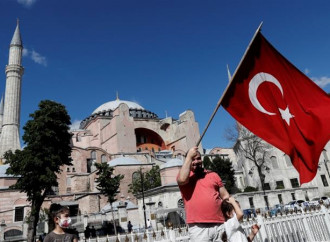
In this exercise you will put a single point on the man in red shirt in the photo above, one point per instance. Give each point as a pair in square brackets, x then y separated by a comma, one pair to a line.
[202, 192]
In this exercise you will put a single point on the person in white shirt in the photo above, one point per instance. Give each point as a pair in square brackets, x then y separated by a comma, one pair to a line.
[233, 229]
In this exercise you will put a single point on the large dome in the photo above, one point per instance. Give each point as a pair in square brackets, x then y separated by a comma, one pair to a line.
[112, 105]
[106, 111]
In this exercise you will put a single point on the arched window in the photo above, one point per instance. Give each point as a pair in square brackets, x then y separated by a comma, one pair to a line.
[274, 162]
[13, 233]
[104, 158]
[93, 155]
[135, 176]
[288, 160]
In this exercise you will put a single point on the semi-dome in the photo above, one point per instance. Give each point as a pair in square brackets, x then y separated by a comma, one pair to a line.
[124, 161]
[172, 163]
[112, 105]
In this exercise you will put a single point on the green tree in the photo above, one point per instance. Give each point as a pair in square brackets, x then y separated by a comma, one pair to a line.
[47, 149]
[223, 167]
[207, 162]
[108, 184]
[151, 179]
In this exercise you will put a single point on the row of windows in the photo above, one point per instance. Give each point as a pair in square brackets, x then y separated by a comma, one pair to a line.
[103, 157]
[294, 183]
[280, 184]
[146, 148]
[73, 169]
[275, 163]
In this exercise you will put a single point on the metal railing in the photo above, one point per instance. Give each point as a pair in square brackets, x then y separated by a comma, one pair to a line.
[164, 235]
[308, 225]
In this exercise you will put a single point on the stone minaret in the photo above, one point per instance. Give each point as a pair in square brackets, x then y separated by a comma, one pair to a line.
[1, 113]
[10, 138]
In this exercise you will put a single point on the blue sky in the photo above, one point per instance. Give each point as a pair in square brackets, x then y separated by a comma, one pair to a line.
[168, 56]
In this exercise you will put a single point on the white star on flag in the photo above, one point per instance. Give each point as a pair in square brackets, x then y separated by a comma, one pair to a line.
[286, 115]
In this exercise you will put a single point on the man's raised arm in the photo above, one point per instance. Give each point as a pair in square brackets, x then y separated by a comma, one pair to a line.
[183, 176]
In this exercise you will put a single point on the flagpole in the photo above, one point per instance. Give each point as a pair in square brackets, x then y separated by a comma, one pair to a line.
[223, 94]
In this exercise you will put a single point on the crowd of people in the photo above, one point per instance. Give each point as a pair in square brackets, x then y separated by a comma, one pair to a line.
[211, 213]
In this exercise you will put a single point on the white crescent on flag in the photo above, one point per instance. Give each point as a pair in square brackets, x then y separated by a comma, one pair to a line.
[253, 88]
[255, 82]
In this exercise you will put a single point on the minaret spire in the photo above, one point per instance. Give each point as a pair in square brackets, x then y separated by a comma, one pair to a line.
[16, 40]
[10, 138]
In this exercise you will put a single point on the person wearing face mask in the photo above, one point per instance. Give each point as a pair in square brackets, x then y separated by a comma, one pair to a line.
[61, 218]
[202, 193]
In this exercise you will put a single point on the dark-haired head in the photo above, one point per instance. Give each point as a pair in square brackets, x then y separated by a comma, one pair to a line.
[56, 210]
[226, 209]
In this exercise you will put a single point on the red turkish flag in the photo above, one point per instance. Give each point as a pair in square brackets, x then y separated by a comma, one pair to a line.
[278, 103]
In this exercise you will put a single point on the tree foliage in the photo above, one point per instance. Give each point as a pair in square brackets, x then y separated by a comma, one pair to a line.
[47, 148]
[223, 167]
[151, 179]
[108, 183]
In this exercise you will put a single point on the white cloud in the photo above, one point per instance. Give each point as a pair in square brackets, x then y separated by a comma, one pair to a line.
[25, 52]
[322, 82]
[35, 56]
[307, 71]
[26, 3]
[75, 124]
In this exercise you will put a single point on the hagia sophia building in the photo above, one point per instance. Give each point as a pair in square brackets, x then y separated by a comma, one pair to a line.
[122, 133]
